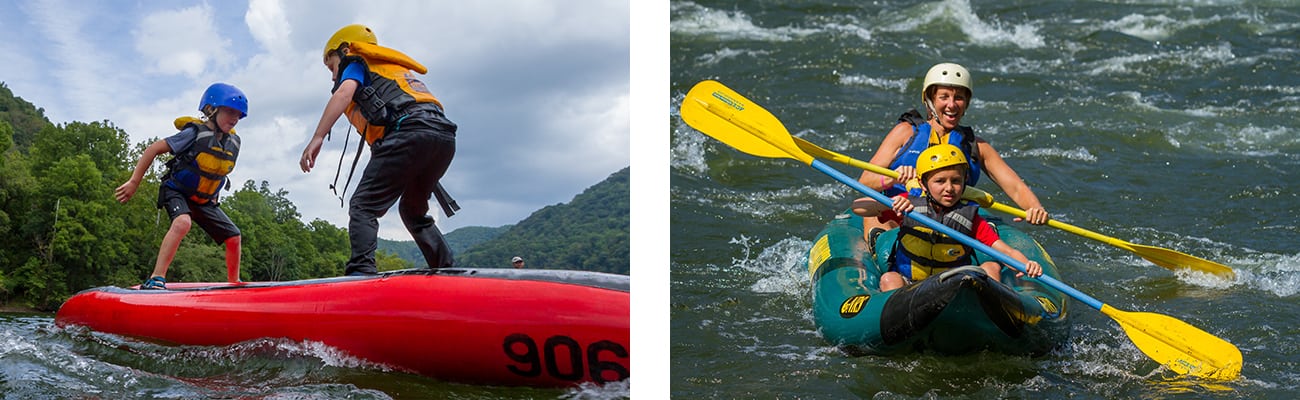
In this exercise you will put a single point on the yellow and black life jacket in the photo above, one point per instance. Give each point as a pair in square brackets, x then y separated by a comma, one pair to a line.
[393, 91]
[200, 171]
[920, 251]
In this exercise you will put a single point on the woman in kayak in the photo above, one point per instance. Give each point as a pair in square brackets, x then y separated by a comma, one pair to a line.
[920, 251]
[946, 94]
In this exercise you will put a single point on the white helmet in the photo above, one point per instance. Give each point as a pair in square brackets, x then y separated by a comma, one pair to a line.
[945, 74]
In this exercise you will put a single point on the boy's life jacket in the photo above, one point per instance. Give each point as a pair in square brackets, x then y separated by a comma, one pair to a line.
[920, 251]
[200, 171]
[922, 138]
[391, 92]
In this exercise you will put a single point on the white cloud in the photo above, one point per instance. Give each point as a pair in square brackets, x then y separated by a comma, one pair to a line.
[183, 41]
[266, 21]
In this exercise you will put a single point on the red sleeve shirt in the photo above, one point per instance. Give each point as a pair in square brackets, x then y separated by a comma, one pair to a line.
[984, 231]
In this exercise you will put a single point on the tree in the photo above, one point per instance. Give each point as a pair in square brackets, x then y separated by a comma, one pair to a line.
[16, 185]
[273, 236]
[25, 119]
[69, 219]
[105, 144]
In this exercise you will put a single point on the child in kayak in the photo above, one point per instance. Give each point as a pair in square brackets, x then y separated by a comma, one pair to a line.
[920, 251]
[205, 152]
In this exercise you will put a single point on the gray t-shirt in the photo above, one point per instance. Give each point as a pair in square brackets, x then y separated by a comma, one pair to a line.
[182, 140]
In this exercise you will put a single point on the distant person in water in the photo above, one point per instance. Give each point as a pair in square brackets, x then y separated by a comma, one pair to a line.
[205, 152]
[517, 262]
[946, 94]
[921, 252]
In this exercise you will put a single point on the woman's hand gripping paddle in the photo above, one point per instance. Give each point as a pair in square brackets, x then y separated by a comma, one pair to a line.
[727, 116]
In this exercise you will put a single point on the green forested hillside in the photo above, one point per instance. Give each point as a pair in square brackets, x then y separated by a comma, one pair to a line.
[465, 238]
[403, 250]
[24, 118]
[460, 240]
[589, 233]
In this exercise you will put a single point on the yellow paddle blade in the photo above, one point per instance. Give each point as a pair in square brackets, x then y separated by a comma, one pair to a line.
[1175, 260]
[1179, 346]
[727, 116]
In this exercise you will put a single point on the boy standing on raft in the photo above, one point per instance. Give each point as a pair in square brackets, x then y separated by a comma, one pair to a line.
[411, 144]
[205, 152]
[919, 251]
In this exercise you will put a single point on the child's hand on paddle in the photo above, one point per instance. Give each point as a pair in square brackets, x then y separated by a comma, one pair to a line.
[1034, 270]
[902, 205]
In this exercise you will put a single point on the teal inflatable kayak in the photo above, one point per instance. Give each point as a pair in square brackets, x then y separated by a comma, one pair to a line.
[960, 311]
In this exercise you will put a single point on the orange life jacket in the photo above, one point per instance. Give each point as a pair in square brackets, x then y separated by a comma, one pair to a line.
[390, 93]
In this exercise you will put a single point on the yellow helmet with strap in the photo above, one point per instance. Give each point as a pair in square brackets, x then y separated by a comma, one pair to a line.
[349, 34]
[939, 156]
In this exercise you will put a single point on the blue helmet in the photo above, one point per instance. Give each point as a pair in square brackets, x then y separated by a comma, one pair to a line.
[224, 95]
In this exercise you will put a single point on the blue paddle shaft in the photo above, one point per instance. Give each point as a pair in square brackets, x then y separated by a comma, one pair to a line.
[967, 240]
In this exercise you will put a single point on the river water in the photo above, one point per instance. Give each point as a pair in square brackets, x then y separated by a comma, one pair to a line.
[1164, 123]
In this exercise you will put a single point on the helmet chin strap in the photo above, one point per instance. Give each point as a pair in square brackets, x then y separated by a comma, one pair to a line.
[929, 106]
[934, 114]
[935, 204]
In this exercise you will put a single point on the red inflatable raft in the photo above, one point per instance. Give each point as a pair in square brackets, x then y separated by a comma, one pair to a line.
[485, 326]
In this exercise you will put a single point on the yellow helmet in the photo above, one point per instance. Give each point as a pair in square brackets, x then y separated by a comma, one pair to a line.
[349, 34]
[939, 156]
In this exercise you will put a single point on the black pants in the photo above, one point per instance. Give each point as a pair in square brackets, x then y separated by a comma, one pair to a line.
[405, 164]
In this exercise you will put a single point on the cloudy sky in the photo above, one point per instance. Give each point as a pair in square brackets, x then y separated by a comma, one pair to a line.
[540, 89]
